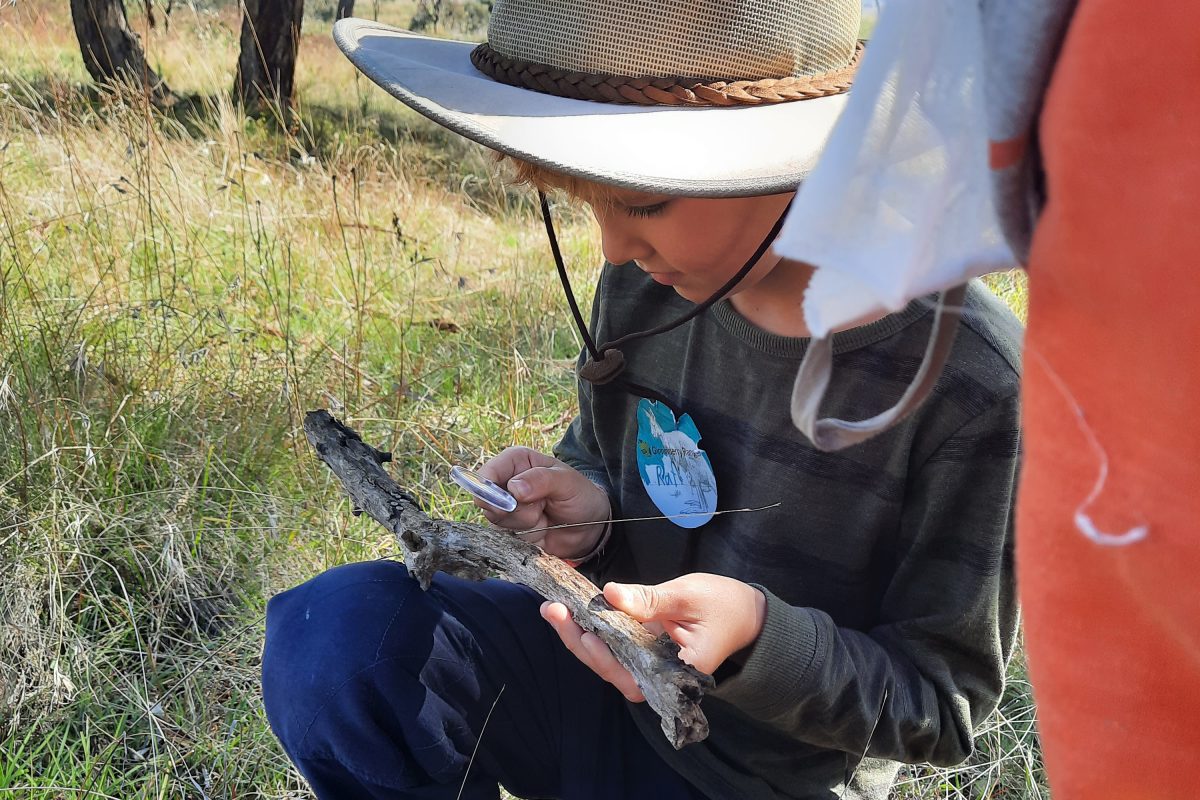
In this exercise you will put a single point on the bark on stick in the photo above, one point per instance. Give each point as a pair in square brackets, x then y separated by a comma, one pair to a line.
[672, 688]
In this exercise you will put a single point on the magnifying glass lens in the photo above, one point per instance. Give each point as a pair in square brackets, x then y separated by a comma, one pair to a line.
[483, 489]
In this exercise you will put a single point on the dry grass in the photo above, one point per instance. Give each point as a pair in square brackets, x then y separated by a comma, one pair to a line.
[175, 290]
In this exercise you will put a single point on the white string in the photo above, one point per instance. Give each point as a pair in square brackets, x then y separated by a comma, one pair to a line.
[479, 739]
[647, 519]
[1083, 520]
[866, 748]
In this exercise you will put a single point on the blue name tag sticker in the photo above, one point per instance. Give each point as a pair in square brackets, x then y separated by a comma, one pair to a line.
[676, 473]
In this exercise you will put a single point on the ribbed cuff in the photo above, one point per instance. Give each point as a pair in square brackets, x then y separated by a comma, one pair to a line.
[780, 663]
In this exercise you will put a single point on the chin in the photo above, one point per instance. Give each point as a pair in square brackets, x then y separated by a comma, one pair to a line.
[697, 296]
[691, 295]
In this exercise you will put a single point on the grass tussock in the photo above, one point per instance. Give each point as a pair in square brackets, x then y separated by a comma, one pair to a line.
[177, 286]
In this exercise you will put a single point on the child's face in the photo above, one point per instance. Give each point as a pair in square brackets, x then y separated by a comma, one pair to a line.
[694, 245]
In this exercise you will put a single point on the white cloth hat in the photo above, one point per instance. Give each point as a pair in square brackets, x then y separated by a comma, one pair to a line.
[761, 56]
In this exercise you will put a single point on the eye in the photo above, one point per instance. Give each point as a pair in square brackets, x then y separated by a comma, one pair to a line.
[643, 212]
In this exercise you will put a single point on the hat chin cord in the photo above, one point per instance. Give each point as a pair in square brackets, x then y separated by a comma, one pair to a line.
[606, 362]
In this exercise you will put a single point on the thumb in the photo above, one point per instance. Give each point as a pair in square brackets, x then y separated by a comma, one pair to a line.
[643, 603]
[539, 483]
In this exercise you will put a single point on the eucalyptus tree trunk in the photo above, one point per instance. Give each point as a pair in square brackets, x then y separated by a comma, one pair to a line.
[111, 50]
[267, 64]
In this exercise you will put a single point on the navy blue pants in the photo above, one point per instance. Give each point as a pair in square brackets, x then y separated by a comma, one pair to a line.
[379, 690]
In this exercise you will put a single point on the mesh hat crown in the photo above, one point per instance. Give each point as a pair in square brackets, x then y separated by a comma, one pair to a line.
[764, 50]
[665, 72]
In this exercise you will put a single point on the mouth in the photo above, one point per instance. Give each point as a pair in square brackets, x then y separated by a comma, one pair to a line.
[666, 277]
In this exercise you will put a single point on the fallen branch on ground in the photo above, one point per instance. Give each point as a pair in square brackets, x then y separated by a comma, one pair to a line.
[671, 687]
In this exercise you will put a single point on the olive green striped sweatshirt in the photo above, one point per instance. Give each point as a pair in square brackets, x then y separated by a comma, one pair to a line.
[887, 566]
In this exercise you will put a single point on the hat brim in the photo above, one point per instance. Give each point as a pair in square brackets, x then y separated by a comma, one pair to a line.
[689, 152]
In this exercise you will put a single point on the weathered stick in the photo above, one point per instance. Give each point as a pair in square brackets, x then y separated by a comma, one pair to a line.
[671, 687]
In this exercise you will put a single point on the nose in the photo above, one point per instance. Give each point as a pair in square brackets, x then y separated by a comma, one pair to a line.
[621, 240]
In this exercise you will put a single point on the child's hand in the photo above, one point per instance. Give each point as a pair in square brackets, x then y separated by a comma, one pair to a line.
[711, 617]
[548, 492]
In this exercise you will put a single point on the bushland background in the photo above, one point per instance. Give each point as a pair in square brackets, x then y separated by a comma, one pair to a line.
[177, 286]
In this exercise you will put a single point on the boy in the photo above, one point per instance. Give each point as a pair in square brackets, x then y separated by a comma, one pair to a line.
[862, 617]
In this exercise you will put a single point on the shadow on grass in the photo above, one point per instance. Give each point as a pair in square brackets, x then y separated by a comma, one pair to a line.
[333, 136]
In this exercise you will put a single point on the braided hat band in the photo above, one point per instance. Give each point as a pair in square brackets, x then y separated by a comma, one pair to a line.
[666, 91]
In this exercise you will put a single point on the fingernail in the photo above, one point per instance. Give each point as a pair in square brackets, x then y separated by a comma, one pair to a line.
[518, 488]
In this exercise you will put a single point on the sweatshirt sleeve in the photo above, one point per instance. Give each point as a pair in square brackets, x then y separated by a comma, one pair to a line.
[579, 446]
[914, 687]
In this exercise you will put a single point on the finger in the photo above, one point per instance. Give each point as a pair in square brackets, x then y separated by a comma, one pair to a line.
[556, 614]
[518, 521]
[527, 516]
[507, 463]
[560, 619]
[513, 460]
[590, 650]
[605, 664]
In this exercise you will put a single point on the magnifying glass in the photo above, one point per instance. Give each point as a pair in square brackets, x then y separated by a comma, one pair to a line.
[483, 489]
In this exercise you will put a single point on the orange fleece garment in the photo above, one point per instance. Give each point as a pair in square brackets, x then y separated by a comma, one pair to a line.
[1113, 633]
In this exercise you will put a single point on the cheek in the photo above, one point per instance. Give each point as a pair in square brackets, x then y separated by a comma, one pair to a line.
[716, 259]
[707, 250]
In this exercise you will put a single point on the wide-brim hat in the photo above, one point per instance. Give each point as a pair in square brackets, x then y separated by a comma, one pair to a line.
[702, 98]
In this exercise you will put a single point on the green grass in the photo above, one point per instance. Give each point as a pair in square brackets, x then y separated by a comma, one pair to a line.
[176, 289]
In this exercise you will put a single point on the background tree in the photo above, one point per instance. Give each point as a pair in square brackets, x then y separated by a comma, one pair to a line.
[345, 8]
[266, 68]
[111, 50]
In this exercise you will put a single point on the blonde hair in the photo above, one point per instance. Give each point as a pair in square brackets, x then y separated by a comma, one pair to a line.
[546, 180]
